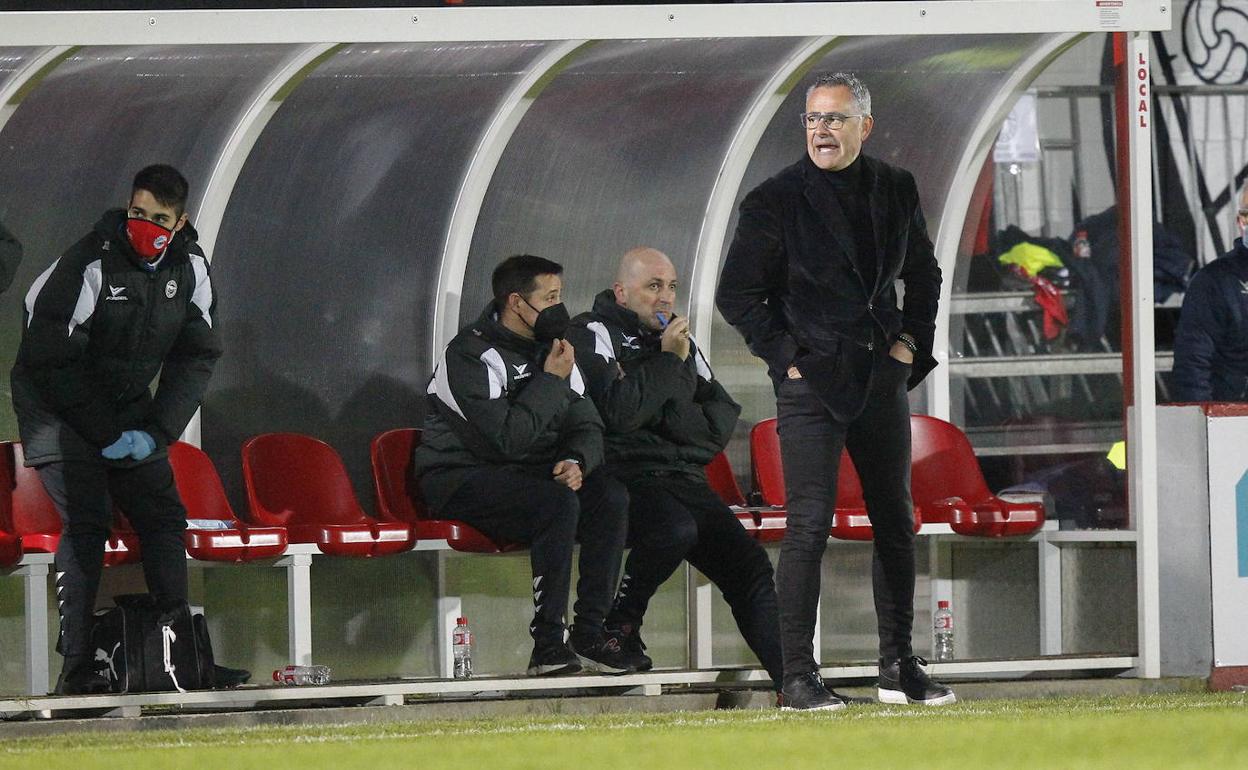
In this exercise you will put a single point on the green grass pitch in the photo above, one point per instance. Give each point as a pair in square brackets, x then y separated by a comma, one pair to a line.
[1190, 730]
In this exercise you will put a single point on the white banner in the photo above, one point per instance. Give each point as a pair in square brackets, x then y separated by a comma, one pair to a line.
[1228, 538]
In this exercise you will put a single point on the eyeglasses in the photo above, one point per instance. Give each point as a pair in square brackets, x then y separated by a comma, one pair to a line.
[830, 120]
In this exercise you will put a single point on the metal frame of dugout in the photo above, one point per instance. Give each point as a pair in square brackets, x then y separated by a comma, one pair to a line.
[298, 560]
[317, 30]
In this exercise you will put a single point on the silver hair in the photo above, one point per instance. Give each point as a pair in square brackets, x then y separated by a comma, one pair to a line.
[862, 97]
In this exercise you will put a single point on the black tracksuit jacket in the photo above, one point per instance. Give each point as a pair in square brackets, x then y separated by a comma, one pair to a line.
[491, 404]
[660, 413]
[98, 329]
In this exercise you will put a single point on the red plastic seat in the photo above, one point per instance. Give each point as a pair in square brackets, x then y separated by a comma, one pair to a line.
[849, 521]
[723, 481]
[10, 543]
[299, 482]
[34, 521]
[201, 491]
[398, 496]
[949, 486]
[763, 522]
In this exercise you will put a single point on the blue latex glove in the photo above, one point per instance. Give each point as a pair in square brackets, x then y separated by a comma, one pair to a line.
[141, 444]
[119, 448]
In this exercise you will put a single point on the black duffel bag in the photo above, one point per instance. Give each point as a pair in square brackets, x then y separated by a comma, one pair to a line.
[143, 646]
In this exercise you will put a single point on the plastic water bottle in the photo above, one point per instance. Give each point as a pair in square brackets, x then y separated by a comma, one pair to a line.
[302, 675]
[461, 648]
[942, 631]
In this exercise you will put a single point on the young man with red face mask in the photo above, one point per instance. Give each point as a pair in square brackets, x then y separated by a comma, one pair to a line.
[130, 300]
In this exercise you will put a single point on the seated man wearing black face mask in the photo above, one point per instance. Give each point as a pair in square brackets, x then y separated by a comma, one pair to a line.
[512, 446]
[132, 299]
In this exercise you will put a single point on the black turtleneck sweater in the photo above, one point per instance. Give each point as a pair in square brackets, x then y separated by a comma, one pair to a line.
[852, 194]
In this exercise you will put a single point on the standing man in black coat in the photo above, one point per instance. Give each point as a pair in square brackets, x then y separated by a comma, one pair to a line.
[809, 282]
[666, 417]
[131, 300]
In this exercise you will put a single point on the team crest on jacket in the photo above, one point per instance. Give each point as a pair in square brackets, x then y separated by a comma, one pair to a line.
[629, 342]
[171, 288]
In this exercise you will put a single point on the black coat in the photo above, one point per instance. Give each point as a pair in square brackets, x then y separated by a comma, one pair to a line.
[660, 413]
[10, 257]
[1211, 343]
[98, 329]
[792, 290]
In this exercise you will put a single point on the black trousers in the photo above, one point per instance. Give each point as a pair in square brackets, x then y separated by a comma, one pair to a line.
[84, 494]
[550, 518]
[672, 518]
[811, 442]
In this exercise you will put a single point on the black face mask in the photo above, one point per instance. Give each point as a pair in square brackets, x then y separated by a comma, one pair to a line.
[552, 322]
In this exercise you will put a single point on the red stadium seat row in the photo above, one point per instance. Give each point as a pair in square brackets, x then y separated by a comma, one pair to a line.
[946, 483]
[299, 482]
[29, 521]
[298, 492]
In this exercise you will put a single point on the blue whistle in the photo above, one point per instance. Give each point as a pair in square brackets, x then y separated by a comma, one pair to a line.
[663, 319]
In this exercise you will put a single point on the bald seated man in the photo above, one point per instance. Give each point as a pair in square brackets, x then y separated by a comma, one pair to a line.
[666, 417]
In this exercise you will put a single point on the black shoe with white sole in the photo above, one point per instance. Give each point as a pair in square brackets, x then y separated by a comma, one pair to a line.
[628, 636]
[904, 681]
[553, 659]
[806, 692]
[602, 653]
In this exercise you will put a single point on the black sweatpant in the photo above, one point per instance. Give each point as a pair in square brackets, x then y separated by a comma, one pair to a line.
[550, 518]
[84, 494]
[811, 442]
[673, 518]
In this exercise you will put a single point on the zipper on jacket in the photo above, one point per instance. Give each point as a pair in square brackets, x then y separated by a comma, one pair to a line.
[144, 332]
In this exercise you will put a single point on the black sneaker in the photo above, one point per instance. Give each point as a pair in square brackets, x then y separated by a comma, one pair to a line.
[806, 692]
[224, 677]
[603, 654]
[82, 680]
[553, 659]
[904, 681]
[628, 636]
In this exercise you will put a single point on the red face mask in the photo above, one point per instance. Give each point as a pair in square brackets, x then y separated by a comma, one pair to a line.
[148, 238]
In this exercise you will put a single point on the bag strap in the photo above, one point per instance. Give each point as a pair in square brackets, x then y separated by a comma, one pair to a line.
[167, 639]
